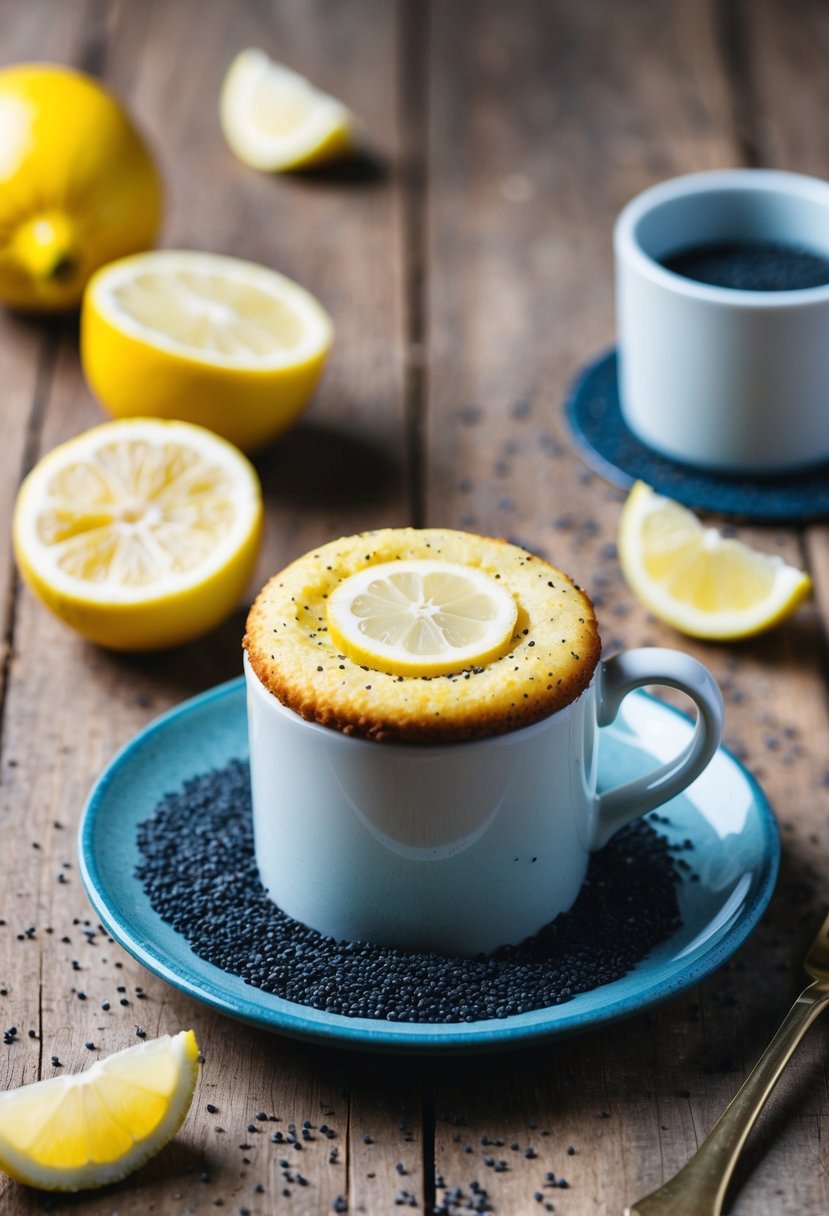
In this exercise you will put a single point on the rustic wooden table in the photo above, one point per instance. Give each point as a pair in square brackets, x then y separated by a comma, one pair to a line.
[466, 260]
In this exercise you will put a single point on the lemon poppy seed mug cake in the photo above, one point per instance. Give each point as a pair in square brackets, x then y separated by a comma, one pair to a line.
[424, 709]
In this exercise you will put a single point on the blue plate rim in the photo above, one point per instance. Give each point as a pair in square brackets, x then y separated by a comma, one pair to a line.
[299, 1022]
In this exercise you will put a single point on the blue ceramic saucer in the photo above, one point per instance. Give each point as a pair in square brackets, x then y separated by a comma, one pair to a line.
[724, 813]
[607, 445]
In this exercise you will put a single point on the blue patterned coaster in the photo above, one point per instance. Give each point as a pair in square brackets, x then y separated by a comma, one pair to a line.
[611, 449]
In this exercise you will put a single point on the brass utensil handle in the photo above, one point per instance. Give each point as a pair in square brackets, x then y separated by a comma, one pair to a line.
[699, 1187]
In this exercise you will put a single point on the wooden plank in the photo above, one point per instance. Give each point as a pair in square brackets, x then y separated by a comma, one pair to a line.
[70, 706]
[787, 89]
[27, 353]
[790, 92]
[530, 168]
[338, 234]
[543, 124]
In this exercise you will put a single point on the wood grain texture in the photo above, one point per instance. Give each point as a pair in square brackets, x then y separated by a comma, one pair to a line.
[466, 259]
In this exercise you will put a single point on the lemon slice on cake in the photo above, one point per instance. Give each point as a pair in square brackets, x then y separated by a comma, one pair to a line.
[274, 119]
[421, 618]
[213, 340]
[140, 533]
[73, 1132]
[703, 583]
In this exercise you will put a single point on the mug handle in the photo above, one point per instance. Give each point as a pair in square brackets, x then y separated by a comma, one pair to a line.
[618, 676]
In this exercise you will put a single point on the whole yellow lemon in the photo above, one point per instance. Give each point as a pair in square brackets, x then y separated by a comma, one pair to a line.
[78, 186]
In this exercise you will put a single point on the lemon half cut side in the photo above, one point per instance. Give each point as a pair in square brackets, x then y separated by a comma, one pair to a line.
[274, 119]
[140, 533]
[214, 340]
[70, 1133]
[703, 583]
[421, 618]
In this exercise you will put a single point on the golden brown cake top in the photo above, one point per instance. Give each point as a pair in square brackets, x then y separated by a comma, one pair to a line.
[551, 659]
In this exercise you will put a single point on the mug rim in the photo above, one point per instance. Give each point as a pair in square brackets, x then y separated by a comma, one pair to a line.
[339, 738]
[628, 248]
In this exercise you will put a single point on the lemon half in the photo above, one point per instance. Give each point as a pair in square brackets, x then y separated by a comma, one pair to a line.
[274, 119]
[213, 340]
[73, 1132]
[704, 584]
[421, 618]
[140, 533]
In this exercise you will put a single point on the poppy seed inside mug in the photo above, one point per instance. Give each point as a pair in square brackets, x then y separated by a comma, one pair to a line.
[199, 872]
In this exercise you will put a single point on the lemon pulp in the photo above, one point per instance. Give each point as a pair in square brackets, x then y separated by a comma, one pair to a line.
[701, 582]
[421, 617]
[73, 1132]
[208, 313]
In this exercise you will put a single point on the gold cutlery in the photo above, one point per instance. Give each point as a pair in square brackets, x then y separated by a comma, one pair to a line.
[699, 1187]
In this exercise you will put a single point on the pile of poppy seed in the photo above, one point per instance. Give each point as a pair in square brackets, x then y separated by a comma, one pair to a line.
[198, 870]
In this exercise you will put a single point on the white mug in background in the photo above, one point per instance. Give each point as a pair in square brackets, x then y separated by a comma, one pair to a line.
[724, 379]
[457, 848]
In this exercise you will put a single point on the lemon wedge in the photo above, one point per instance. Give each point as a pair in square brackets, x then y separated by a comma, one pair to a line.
[704, 584]
[140, 533]
[213, 340]
[274, 119]
[87, 1130]
[421, 618]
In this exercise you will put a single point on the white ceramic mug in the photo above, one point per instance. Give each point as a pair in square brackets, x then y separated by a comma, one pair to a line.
[457, 848]
[724, 379]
